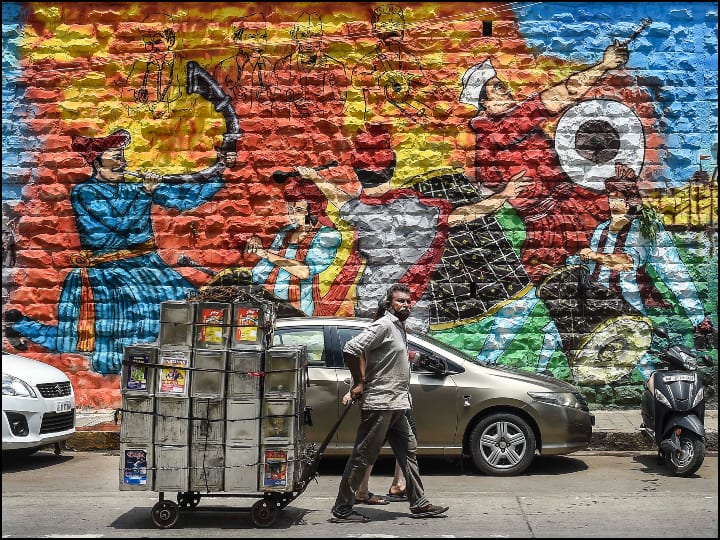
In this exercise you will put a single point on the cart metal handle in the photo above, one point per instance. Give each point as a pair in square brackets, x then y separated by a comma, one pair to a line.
[311, 471]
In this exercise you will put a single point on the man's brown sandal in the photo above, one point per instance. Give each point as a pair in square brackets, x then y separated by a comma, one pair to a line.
[371, 499]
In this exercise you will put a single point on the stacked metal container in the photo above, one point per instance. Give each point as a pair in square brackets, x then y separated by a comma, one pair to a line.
[220, 409]
[251, 336]
[172, 399]
[137, 427]
[282, 423]
[207, 451]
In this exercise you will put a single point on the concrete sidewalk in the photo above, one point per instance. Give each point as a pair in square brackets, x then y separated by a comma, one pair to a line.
[615, 430]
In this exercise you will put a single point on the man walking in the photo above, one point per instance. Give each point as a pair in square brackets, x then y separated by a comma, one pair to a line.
[378, 361]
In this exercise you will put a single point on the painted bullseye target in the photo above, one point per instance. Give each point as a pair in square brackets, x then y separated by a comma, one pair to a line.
[593, 136]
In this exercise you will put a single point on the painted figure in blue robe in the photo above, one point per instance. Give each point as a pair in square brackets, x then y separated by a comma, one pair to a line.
[112, 298]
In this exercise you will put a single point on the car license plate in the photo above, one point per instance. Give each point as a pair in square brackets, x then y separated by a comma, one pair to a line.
[63, 406]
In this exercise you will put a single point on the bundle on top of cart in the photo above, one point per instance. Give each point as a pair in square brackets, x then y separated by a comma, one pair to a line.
[214, 409]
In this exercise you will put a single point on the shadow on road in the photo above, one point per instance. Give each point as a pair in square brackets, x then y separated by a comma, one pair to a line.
[653, 464]
[431, 466]
[234, 513]
[17, 462]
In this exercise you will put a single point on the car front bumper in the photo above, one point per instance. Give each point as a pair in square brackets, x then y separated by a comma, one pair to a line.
[563, 430]
[49, 420]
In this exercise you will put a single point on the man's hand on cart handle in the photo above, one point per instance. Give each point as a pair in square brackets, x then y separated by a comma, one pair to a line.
[357, 390]
[349, 398]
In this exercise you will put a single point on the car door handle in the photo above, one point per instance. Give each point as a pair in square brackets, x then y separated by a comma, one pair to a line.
[348, 381]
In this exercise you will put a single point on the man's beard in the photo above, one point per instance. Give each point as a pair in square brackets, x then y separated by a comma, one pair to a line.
[402, 314]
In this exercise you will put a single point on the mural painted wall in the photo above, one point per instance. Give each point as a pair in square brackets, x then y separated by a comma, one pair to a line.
[543, 176]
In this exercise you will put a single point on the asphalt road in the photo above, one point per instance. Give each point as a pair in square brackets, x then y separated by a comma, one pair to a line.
[584, 495]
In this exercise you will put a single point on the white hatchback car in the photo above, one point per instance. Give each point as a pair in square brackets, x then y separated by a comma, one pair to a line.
[38, 405]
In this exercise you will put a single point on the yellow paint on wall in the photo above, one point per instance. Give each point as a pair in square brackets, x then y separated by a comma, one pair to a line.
[694, 206]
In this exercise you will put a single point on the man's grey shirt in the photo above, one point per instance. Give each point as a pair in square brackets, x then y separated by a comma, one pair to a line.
[387, 370]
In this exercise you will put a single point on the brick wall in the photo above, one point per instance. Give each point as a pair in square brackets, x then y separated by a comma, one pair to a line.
[475, 152]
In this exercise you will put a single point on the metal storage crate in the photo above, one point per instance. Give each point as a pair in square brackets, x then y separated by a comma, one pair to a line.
[138, 372]
[252, 325]
[177, 311]
[176, 335]
[137, 419]
[285, 371]
[243, 373]
[172, 379]
[208, 374]
[277, 468]
[172, 420]
[172, 471]
[176, 325]
[207, 467]
[136, 467]
[243, 422]
[241, 468]
[208, 421]
[212, 325]
[279, 421]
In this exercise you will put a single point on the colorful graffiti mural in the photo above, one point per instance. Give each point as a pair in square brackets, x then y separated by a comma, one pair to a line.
[543, 176]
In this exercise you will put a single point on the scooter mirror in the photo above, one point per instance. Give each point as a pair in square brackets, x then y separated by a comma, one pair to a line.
[661, 331]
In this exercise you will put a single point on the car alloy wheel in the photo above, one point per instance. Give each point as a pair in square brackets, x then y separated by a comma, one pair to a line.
[502, 444]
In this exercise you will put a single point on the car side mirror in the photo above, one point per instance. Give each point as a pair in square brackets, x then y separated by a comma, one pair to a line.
[707, 361]
[431, 363]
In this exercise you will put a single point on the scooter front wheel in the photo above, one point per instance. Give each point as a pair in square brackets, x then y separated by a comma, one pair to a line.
[689, 457]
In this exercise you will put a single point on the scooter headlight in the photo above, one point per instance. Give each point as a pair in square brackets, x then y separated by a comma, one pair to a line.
[698, 397]
[661, 398]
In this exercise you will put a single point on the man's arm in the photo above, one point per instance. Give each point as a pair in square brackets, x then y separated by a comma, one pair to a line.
[297, 268]
[614, 261]
[354, 355]
[330, 189]
[559, 97]
[465, 214]
[357, 369]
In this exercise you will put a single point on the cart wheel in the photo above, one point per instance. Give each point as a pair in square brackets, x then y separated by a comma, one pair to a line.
[165, 514]
[264, 513]
[188, 499]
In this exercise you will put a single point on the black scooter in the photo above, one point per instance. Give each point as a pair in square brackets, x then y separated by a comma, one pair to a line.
[673, 408]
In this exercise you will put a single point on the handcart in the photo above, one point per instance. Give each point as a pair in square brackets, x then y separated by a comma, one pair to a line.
[265, 511]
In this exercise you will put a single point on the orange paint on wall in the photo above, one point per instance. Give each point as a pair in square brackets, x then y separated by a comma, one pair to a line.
[78, 59]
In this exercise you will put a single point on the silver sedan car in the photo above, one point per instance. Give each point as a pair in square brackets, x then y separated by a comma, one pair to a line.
[498, 416]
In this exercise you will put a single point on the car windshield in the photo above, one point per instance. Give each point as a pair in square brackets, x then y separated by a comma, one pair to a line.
[465, 356]
[445, 347]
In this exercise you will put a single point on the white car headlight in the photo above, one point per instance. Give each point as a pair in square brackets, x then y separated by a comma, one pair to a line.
[563, 399]
[12, 386]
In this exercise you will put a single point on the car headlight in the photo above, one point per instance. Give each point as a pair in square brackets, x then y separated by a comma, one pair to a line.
[12, 386]
[563, 399]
